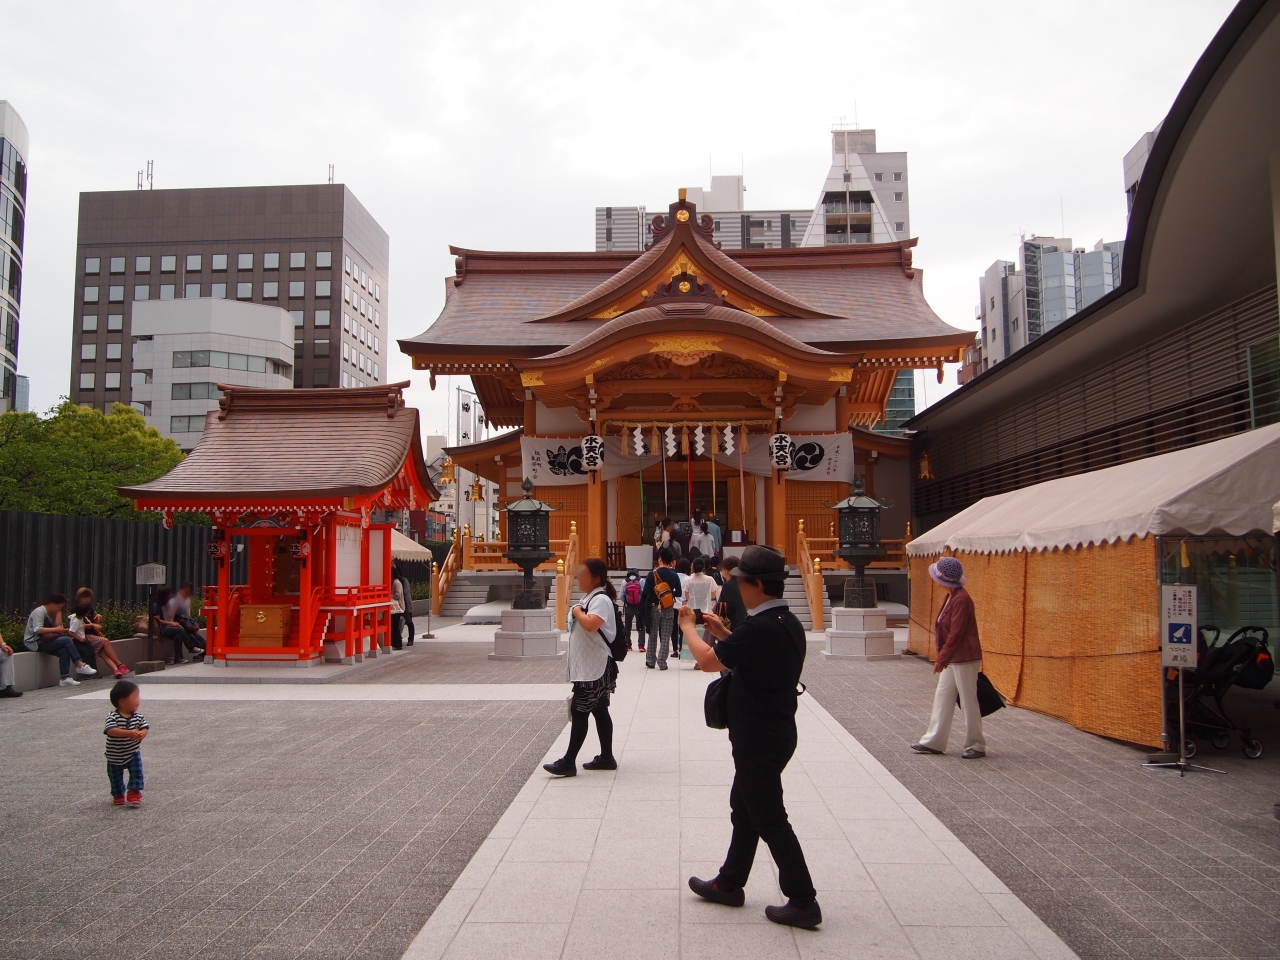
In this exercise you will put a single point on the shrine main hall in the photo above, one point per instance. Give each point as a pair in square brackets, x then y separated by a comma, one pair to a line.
[644, 385]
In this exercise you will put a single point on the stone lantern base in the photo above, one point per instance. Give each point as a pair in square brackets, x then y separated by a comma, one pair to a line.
[860, 633]
[528, 635]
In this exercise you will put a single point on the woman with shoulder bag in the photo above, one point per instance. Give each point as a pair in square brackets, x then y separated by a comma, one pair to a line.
[591, 669]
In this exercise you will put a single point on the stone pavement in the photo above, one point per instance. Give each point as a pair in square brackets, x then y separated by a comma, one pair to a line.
[1120, 861]
[595, 866]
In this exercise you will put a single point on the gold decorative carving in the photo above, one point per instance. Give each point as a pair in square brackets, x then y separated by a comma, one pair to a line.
[841, 375]
[774, 360]
[684, 284]
[608, 313]
[755, 310]
[682, 216]
[681, 263]
[685, 351]
[597, 364]
[532, 379]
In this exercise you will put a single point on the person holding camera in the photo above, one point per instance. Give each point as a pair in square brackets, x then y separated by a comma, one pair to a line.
[766, 655]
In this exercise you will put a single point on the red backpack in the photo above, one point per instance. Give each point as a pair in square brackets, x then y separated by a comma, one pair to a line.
[632, 593]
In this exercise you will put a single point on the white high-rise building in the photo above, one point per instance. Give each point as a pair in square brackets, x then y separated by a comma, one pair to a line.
[14, 147]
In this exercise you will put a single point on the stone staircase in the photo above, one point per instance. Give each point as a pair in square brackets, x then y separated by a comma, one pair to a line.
[462, 596]
[795, 596]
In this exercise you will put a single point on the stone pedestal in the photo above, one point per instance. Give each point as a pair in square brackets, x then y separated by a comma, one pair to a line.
[860, 633]
[527, 635]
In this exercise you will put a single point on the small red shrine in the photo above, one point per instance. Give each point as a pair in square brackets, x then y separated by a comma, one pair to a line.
[292, 479]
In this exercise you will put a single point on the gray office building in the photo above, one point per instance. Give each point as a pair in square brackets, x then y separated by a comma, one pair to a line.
[13, 215]
[311, 250]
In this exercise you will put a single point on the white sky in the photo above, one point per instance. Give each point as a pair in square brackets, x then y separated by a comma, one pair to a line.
[503, 125]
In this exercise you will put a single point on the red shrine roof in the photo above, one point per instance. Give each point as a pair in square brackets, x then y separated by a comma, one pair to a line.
[300, 444]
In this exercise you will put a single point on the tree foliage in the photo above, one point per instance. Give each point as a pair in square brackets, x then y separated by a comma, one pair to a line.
[71, 459]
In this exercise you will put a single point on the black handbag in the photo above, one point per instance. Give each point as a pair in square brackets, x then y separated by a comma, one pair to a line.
[715, 705]
[989, 699]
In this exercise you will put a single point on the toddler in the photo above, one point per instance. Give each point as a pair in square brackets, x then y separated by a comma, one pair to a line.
[125, 729]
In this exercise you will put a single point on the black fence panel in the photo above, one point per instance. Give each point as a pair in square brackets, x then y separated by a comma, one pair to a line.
[43, 553]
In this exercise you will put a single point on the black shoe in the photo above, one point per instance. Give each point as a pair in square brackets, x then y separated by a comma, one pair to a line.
[561, 768]
[649, 665]
[921, 748]
[640, 648]
[601, 763]
[396, 646]
[410, 643]
[708, 890]
[662, 666]
[973, 753]
[806, 918]
[10, 692]
[674, 654]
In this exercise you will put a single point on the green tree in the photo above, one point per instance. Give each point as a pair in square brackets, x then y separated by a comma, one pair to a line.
[71, 460]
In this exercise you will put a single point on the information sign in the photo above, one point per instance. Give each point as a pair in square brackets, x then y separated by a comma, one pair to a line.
[149, 574]
[1178, 626]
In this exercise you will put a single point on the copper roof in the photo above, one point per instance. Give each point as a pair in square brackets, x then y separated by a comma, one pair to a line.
[325, 443]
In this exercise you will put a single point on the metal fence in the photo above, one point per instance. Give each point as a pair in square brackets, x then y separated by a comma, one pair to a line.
[43, 553]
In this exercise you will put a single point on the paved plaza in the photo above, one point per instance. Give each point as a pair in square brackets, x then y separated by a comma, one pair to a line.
[401, 811]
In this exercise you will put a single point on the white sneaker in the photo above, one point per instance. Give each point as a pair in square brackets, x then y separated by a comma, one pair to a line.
[86, 671]
[68, 682]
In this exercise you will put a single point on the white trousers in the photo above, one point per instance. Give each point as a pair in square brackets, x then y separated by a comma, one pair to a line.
[962, 679]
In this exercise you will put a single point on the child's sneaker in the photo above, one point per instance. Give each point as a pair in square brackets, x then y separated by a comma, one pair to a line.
[134, 798]
[117, 801]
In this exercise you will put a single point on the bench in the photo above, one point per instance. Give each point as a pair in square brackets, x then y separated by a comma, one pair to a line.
[31, 671]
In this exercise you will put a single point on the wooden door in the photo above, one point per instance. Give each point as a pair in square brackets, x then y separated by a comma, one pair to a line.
[628, 523]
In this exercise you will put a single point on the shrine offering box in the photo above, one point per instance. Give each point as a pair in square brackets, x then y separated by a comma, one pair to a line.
[265, 624]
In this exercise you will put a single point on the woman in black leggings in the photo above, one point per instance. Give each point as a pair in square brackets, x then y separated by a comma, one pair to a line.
[591, 669]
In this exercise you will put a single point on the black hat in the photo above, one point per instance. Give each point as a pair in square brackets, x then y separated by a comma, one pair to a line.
[759, 562]
[633, 574]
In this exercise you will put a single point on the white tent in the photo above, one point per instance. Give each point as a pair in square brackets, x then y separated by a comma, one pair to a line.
[402, 548]
[1225, 487]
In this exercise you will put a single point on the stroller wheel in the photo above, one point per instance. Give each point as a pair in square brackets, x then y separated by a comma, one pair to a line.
[1190, 748]
[1253, 749]
[1222, 739]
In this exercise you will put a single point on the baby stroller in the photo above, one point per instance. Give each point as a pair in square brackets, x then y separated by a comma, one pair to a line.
[1244, 660]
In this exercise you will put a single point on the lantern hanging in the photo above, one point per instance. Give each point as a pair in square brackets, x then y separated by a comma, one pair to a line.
[780, 451]
[592, 452]
[446, 471]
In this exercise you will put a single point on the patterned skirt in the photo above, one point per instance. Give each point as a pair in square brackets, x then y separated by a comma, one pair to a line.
[589, 694]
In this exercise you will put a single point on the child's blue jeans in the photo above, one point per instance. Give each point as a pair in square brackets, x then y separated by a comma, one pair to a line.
[115, 773]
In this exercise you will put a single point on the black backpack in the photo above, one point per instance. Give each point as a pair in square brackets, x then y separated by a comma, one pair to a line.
[618, 645]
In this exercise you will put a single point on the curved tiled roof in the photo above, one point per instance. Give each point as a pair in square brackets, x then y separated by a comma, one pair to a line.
[297, 443]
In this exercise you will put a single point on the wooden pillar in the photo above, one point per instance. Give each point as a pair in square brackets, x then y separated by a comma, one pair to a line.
[306, 611]
[597, 532]
[775, 511]
[221, 625]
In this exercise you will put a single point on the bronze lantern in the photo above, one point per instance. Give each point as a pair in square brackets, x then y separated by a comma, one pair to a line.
[528, 545]
[859, 525]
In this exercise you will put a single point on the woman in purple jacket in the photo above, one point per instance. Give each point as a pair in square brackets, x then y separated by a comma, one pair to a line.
[958, 665]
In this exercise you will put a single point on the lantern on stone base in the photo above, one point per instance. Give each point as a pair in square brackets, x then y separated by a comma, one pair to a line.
[528, 545]
[859, 525]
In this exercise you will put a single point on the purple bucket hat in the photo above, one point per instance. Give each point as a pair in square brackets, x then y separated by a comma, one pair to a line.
[948, 571]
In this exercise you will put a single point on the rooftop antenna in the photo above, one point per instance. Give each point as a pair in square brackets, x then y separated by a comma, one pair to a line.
[151, 169]
[331, 173]
[140, 172]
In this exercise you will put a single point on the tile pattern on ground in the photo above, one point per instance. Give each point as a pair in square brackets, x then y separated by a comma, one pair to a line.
[1121, 862]
[596, 865]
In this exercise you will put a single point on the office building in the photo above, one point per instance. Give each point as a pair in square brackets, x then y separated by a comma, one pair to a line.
[14, 146]
[1018, 302]
[1135, 161]
[311, 250]
[22, 394]
[184, 348]
[864, 199]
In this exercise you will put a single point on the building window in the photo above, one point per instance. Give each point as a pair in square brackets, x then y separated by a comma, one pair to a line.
[115, 294]
[897, 198]
[879, 177]
[320, 377]
[897, 178]
[194, 391]
[117, 264]
[142, 406]
[322, 288]
[346, 323]
[192, 424]
[346, 352]
[86, 381]
[1015, 323]
[377, 321]
[377, 344]
[271, 290]
[297, 317]
[168, 264]
[321, 348]
[192, 291]
[346, 381]
[297, 260]
[193, 263]
[141, 292]
[347, 264]
[271, 261]
[141, 264]
[93, 265]
[183, 359]
[90, 294]
[244, 291]
[899, 226]
[113, 351]
[219, 262]
[322, 318]
[88, 351]
[993, 303]
[218, 291]
[140, 378]
[89, 322]
[346, 293]
[297, 349]
[377, 292]
[244, 261]
[166, 291]
[375, 372]
[297, 288]
[115, 321]
[112, 381]
[324, 261]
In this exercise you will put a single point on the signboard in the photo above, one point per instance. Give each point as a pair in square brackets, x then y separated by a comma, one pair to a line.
[1178, 626]
[150, 574]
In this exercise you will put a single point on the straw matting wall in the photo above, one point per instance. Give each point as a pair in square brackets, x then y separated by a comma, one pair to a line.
[1072, 633]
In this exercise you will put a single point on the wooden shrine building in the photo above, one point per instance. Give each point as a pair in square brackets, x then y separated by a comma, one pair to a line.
[685, 359]
[295, 479]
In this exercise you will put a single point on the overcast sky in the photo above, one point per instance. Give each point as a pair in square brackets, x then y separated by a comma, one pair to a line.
[503, 125]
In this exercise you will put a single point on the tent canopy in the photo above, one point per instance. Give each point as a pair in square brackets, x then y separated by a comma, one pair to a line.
[1225, 487]
[402, 548]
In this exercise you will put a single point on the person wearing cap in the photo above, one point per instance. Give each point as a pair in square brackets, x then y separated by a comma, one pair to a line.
[766, 655]
[958, 664]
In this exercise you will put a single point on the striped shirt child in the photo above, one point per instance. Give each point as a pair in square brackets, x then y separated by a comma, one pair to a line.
[120, 750]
